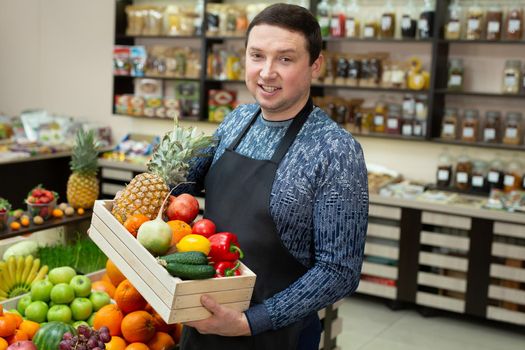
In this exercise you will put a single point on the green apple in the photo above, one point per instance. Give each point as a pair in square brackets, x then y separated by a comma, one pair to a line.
[81, 285]
[22, 304]
[90, 319]
[81, 308]
[41, 290]
[80, 323]
[62, 293]
[62, 274]
[99, 299]
[59, 313]
[36, 311]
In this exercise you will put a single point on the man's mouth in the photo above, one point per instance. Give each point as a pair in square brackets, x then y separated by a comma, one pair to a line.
[268, 88]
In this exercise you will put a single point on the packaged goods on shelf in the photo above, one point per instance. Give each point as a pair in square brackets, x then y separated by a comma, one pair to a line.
[379, 176]
[225, 63]
[150, 88]
[230, 19]
[339, 109]
[183, 97]
[511, 77]
[152, 20]
[121, 63]
[221, 102]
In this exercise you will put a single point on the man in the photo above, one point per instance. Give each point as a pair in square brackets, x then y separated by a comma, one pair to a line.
[292, 185]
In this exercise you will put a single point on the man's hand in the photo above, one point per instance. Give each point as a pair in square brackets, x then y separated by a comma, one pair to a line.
[223, 321]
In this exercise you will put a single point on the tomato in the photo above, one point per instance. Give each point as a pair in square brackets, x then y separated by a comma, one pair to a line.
[203, 227]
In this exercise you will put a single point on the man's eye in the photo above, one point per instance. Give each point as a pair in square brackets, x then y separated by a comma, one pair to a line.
[286, 59]
[256, 55]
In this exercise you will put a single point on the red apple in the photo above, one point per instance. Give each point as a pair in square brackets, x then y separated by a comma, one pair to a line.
[183, 207]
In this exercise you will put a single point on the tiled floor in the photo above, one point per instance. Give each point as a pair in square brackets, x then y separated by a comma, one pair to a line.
[368, 324]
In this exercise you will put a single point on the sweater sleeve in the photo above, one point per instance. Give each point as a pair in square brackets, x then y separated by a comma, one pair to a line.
[340, 219]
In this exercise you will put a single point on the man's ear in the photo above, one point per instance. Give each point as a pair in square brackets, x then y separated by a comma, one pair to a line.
[316, 66]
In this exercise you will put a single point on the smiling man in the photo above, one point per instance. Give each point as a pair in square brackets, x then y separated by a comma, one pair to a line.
[292, 185]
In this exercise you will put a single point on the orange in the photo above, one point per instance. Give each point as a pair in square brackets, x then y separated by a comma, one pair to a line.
[114, 273]
[137, 346]
[80, 211]
[179, 229]
[104, 286]
[161, 341]
[3, 344]
[116, 343]
[15, 225]
[29, 327]
[110, 316]
[58, 213]
[106, 278]
[18, 336]
[128, 298]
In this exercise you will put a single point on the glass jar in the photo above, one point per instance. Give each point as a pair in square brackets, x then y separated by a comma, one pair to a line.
[371, 27]
[514, 23]
[407, 125]
[409, 21]
[341, 71]
[479, 177]
[491, 127]
[379, 117]
[469, 126]
[511, 77]
[496, 173]
[512, 179]
[494, 22]
[375, 71]
[409, 106]
[463, 173]
[388, 21]
[353, 24]
[354, 71]
[453, 26]
[444, 170]
[393, 122]
[338, 20]
[426, 21]
[449, 124]
[474, 23]
[420, 123]
[523, 79]
[323, 17]
[455, 75]
[512, 131]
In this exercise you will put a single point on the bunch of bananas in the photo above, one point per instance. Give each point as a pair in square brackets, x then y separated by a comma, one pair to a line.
[17, 274]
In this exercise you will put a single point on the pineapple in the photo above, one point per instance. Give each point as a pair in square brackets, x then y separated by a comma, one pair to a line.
[169, 165]
[82, 185]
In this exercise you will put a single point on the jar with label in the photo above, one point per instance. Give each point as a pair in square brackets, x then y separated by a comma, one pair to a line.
[479, 177]
[323, 17]
[512, 131]
[512, 77]
[514, 23]
[409, 21]
[496, 173]
[354, 72]
[409, 106]
[353, 24]
[393, 122]
[379, 117]
[420, 123]
[375, 71]
[444, 170]
[523, 80]
[338, 20]
[453, 26]
[450, 124]
[491, 127]
[463, 173]
[455, 75]
[388, 21]
[371, 27]
[474, 22]
[407, 125]
[426, 21]
[494, 22]
[469, 126]
[512, 179]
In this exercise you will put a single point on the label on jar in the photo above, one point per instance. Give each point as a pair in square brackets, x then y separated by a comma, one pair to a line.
[324, 22]
[514, 25]
[468, 132]
[462, 178]
[421, 109]
[453, 27]
[449, 129]
[489, 134]
[493, 177]
[350, 27]
[455, 80]
[493, 27]
[409, 106]
[508, 180]
[473, 24]
[386, 22]
[418, 130]
[369, 32]
[406, 22]
[423, 24]
[392, 123]
[477, 181]
[511, 133]
[379, 120]
[511, 80]
[407, 129]
[443, 175]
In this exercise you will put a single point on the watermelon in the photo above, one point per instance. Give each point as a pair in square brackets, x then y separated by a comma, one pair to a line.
[49, 335]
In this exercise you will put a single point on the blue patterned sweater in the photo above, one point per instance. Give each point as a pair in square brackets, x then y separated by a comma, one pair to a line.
[319, 197]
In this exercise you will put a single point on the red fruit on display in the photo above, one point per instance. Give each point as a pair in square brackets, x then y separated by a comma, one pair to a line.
[204, 227]
[22, 345]
[183, 207]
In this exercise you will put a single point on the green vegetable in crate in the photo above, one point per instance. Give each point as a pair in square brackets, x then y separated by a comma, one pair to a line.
[24, 248]
[17, 274]
[188, 265]
[49, 335]
[192, 258]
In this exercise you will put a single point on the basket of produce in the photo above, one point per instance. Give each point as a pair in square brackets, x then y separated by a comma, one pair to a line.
[41, 202]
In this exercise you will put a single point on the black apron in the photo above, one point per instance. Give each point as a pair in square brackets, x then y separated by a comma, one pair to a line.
[238, 200]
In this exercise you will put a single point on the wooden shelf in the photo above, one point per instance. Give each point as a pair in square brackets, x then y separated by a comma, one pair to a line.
[367, 88]
[117, 76]
[479, 94]
[491, 42]
[379, 40]
[390, 136]
[157, 118]
[130, 37]
[480, 144]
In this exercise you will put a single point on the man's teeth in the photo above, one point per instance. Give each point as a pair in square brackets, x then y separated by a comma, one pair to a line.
[268, 88]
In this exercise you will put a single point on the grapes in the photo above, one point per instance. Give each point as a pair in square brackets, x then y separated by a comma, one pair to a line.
[86, 339]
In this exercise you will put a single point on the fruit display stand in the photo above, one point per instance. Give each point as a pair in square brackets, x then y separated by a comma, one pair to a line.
[175, 300]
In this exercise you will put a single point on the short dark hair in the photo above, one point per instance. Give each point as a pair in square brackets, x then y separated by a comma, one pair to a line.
[294, 18]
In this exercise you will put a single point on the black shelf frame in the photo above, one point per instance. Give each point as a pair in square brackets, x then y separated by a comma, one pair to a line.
[478, 94]
[477, 42]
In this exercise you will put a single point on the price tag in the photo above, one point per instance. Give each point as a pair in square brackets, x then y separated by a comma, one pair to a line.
[407, 129]
[493, 27]
[449, 129]
[489, 134]
[477, 181]
[455, 80]
[453, 27]
[386, 22]
[468, 132]
[443, 175]
[418, 130]
[423, 24]
[473, 24]
[462, 178]
[508, 180]
[493, 177]
[514, 25]
[406, 22]
[392, 123]
[511, 81]
[511, 133]
[379, 120]
[369, 32]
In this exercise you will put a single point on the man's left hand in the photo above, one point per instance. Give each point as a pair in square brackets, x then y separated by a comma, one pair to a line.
[223, 321]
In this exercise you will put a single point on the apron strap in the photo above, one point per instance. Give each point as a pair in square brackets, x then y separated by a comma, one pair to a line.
[235, 143]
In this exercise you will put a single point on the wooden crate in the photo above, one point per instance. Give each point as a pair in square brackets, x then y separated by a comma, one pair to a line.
[174, 299]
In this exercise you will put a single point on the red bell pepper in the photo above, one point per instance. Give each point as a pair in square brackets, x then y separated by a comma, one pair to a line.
[224, 247]
[227, 268]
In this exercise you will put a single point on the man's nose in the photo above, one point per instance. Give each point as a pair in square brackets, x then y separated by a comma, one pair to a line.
[267, 71]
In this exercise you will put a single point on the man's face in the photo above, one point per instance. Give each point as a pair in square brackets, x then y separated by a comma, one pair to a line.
[278, 70]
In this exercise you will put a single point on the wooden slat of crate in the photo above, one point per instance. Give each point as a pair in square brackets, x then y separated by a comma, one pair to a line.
[385, 212]
[507, 294]
[510, 230]
[193, 300]
[440, 302]
[444, 282]
[383, 231]
[440, 260]
[508, 251]
[380, 290]
[379, 270]
[443, 240]
[507, 272]
[382, 251]
[496, 313]
[446, 220]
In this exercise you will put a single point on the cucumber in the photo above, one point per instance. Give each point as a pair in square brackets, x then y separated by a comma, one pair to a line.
[190, 258]
[189, 271]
